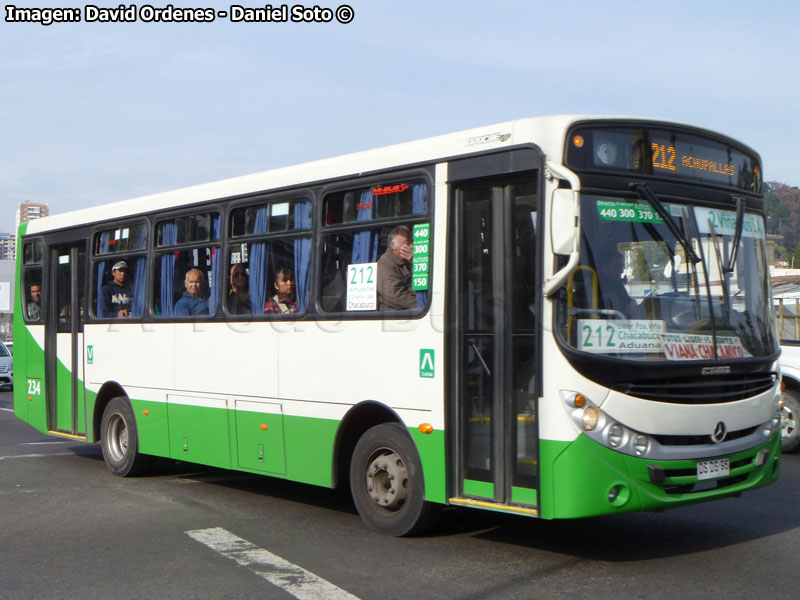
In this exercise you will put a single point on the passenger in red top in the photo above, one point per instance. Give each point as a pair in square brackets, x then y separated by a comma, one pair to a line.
[284, 300]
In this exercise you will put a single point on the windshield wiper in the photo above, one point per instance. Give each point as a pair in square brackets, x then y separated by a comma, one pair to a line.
[737, 236]
[723, 270]
[644, 193]
[689, 219]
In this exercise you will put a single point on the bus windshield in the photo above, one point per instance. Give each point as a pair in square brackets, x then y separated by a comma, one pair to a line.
[648, 290]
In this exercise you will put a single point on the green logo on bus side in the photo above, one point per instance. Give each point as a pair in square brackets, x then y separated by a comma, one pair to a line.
[426, 363]
[90, 354]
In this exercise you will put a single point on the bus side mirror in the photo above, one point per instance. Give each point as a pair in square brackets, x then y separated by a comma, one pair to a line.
[563, 221]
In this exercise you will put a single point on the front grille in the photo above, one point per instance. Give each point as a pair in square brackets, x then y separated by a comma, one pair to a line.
[706, 390]
[699, 440]
[4, 368]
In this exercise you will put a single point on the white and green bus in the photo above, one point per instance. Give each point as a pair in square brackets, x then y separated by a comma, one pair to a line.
[590, 329]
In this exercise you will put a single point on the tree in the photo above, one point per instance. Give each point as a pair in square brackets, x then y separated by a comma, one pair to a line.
[782, 205]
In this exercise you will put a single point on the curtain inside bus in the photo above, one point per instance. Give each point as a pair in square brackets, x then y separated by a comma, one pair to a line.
[259, 258]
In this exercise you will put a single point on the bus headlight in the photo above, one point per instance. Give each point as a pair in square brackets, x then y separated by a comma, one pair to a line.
[616, 435]
[641, 444]
[593, 422]
[589, 418]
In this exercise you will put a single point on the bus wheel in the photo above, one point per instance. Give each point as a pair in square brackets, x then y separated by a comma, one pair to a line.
[789, 421]
[386, 482]
[119, 440]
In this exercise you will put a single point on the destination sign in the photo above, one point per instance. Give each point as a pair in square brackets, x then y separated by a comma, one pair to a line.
[661, 152]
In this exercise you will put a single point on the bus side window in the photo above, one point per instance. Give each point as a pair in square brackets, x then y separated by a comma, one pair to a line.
[188, 278]
[32, 253]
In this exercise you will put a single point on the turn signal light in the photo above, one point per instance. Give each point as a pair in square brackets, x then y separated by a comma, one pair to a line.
[263, 427]
[426, 428]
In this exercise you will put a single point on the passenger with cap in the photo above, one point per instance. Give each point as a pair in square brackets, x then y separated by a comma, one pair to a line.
[116, 296]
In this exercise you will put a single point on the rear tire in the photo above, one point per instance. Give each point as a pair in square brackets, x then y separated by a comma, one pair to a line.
[790, 434]
[119, 440]
[387, 484]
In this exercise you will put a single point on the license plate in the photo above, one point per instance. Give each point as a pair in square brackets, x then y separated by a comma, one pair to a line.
[711, 469]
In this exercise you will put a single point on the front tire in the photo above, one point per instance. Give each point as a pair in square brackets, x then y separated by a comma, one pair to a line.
[119, 440]
[387, 483]
[790, 414]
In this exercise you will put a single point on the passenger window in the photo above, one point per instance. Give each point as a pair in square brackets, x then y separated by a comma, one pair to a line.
[187, 274]
[268, 274]
[119, 272]
[32, 281]
[375, 254]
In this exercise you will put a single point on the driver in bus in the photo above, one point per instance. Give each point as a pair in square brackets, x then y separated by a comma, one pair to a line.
[606, 264]
[613, 293]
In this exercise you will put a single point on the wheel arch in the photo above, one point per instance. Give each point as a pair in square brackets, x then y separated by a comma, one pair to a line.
[357, 420]
[109, 390]
[791, 379]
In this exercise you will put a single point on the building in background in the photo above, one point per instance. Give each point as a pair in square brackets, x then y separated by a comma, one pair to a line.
[28, 211]
[7, 246]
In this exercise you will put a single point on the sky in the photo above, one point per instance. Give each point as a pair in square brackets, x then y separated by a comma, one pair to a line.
[95, 112]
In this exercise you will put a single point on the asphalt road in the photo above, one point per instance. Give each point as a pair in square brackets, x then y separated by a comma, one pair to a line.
[69, 529]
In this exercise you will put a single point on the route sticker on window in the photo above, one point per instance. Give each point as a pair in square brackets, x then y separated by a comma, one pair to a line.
[420, 266]
[603, 336]
[362, 286]
[724, 222]
[683, 346]
[628, 212]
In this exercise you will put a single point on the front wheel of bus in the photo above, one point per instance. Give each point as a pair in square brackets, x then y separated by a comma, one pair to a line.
[387, 484]
[790, 414]
[120, 440]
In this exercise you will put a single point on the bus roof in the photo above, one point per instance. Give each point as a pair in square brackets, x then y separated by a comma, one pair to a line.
[546, 132]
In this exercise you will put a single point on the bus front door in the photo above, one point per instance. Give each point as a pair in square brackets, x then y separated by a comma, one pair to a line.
[64, 342]
[496, 375]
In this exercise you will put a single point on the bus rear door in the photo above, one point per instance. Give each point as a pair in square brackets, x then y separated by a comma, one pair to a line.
[64, 341]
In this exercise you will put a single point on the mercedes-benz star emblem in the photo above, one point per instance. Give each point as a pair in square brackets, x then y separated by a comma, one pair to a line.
[719, 433]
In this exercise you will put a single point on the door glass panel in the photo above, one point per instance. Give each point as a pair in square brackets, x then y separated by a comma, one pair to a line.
[64, 292]
[477, 309]
[524, 310]
[498, 302]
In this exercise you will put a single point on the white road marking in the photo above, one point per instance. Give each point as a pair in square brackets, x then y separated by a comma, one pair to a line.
[45, 443]
[295, 580]
[37, 455]
[11, 410]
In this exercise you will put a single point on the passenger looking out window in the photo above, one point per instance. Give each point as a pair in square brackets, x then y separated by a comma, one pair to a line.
[284, 300]
[239, 295]
[394, 272]
[116, 295]
[194, 300]
[34, 306]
